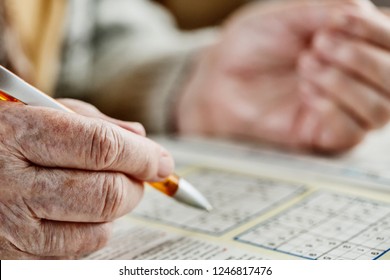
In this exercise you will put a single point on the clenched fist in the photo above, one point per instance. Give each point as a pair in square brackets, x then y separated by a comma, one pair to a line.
[305, 74]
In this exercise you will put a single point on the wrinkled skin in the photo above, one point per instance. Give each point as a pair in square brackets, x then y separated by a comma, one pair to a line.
[303, 74]
[65, 177]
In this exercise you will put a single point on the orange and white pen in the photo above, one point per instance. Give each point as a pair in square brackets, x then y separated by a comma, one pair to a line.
[13, 88]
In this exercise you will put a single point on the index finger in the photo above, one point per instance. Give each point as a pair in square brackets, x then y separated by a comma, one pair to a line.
[305, 16]
[49, 138]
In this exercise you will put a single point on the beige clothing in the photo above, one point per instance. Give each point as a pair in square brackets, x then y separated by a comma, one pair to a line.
[39, 26]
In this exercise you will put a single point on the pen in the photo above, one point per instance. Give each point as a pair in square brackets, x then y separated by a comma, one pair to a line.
[13, 88]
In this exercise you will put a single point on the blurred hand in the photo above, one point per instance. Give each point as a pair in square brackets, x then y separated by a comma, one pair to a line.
[271, 77]
[65, 177]
[349, 64]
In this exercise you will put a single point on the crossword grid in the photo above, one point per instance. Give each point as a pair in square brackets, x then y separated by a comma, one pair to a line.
[236, 199]
[327, 226]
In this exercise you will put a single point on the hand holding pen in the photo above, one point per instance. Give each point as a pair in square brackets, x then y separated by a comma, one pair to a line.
[20, 91]
[65, 177]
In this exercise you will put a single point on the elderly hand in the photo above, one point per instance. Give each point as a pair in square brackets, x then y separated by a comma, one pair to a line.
[65, 177]
[280, 73]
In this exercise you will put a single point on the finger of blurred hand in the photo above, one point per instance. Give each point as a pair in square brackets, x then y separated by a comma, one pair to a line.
[307, 16]
[49, 138]
[326, 127]
[368, 24]
[365, 104]
[81, 196]
[368, 62]
[89, 110]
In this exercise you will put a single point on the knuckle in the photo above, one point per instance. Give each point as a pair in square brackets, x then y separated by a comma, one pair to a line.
[89, 240]
[105, 146]
[145, 160]
[355, 23]
[102, 236]
[113, 196]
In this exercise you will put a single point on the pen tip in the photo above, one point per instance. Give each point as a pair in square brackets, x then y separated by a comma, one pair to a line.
[188, 194]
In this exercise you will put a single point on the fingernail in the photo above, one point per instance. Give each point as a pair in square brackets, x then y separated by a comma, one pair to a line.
[166, 165]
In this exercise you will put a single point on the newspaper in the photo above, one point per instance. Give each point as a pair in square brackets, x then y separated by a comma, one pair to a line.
[268, 204]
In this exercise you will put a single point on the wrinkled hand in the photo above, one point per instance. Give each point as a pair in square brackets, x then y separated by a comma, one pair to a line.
[260, 81]
[65, 177]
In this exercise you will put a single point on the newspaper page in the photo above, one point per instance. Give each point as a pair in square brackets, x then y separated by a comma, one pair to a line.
[267, 205]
